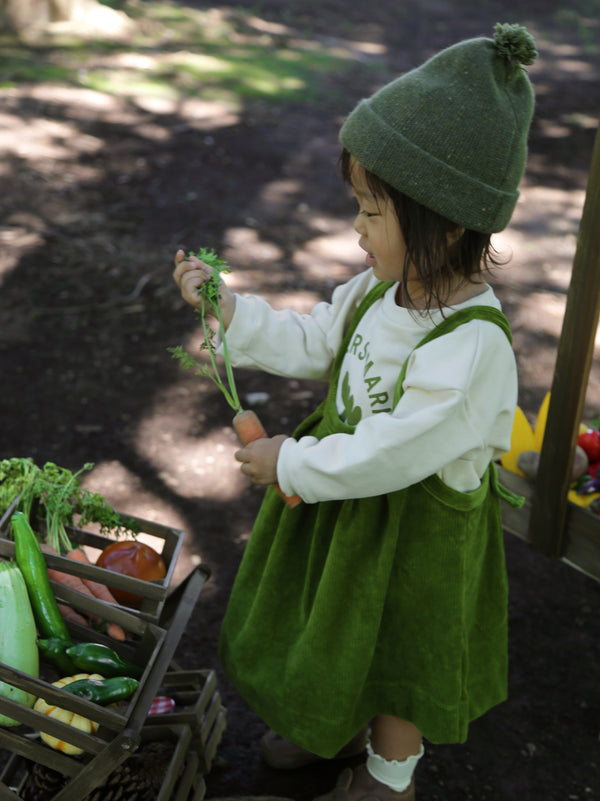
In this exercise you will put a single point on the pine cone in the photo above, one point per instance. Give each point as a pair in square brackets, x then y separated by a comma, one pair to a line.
[139, 778]
[42, 783]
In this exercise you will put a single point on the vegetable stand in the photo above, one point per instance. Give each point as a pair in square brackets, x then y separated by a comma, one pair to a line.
[548, 521]
[192, 729]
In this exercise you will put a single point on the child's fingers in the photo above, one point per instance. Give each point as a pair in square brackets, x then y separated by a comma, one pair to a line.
[193, 269]
[242, 455]
[190, 282]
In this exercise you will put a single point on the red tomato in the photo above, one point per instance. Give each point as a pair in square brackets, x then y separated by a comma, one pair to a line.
[132, 558]
[590, 442]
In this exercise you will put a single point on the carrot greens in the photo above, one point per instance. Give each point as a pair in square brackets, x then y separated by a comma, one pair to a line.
[55, 494]
[210, 294]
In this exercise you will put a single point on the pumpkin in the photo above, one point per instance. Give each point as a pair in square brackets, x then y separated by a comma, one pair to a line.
[65, 716]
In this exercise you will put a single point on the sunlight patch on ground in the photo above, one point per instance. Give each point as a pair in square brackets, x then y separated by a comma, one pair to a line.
[61, 139]
[43, 138]
[333, 255]
[125, 492]
[541, 239]
[247, 246]
[19, 234]
[192, 465]
[336, 255]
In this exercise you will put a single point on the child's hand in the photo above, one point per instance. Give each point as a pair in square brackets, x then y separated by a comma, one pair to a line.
[259, 459]
[189, 274]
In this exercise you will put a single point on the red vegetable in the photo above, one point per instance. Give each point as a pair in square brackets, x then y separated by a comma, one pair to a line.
[132, 558]
[590, 442]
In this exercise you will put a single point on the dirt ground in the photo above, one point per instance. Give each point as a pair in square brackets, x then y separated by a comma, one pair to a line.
[98, 193]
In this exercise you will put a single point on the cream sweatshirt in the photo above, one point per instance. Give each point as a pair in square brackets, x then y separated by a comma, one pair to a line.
[456, 413]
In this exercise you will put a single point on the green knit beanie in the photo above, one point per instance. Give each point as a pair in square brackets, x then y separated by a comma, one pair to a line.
[452, 133]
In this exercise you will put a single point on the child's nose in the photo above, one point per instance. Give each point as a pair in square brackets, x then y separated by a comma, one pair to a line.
[359, 224]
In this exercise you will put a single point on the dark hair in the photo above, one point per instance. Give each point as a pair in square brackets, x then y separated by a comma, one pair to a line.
[425, 233]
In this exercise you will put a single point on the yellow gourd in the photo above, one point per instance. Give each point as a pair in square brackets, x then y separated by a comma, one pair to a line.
[64, 715]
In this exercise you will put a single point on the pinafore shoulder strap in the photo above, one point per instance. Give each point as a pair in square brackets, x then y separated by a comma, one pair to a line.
[450, 324]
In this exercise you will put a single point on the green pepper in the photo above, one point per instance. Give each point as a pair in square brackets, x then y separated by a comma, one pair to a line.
[97, 658]
[32, 564]
[103, 691]
[55, 650]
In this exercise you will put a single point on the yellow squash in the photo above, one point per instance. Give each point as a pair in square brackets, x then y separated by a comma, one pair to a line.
[72, 718]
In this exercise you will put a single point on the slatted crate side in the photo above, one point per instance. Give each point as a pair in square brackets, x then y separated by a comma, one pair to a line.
[182, 780]
[145, 651]
[24, 740]
[111, 720]
[198, 705]
[119, 731]
[581, 546]
[182, 771]
[165, 540]
[13, 775]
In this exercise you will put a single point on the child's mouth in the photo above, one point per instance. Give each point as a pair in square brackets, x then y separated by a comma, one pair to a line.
[370, 260]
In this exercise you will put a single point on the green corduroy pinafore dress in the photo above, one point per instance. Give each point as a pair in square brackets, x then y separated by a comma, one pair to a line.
[395, 604]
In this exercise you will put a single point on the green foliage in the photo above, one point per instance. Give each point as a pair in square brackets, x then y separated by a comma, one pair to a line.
[209, 292]
[182, 50]
[55, 493]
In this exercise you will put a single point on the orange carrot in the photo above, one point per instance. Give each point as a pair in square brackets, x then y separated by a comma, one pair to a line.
[99, 591]
[249, 428]
[66, 579]
[81, 585]
[72, 615]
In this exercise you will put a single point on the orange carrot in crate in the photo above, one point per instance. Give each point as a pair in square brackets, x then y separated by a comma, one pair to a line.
[66, 579]
[100, 591]
[249, 428]
[71, 615]
[246, 422]
[82, 586]
[97, 589]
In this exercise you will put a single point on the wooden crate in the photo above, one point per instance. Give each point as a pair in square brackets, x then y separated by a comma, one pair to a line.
[198, 706]
[166, 540]
[581, 538]
[182, 779]
[120, 733]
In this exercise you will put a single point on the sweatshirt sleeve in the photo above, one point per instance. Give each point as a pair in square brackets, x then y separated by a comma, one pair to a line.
[455, 415]
[288, 343]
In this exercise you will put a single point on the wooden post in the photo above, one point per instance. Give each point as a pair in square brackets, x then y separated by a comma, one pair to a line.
[574, 357]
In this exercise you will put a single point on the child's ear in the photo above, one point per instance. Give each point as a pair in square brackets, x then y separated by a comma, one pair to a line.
[454, 233]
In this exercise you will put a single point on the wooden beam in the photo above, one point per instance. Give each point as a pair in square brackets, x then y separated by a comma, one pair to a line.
[548, 516]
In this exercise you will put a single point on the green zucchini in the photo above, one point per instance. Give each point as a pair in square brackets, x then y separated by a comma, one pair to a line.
[18, 648]
[31, 561]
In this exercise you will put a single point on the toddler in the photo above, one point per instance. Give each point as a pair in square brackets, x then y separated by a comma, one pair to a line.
[374, 614]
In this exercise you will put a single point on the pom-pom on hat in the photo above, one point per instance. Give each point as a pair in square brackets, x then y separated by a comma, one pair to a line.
[452, 133]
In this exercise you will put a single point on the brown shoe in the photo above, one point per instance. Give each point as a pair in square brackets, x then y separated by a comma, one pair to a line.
[359, 785]
[282, 754]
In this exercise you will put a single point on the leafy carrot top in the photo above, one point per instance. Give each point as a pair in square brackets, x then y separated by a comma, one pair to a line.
[210, 293]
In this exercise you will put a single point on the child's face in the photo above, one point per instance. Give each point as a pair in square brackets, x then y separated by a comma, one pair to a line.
[380, 233]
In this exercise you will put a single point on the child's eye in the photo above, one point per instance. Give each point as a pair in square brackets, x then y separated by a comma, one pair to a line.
[369, 213]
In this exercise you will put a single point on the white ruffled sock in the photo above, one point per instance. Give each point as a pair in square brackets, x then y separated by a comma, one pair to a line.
[394, 774]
